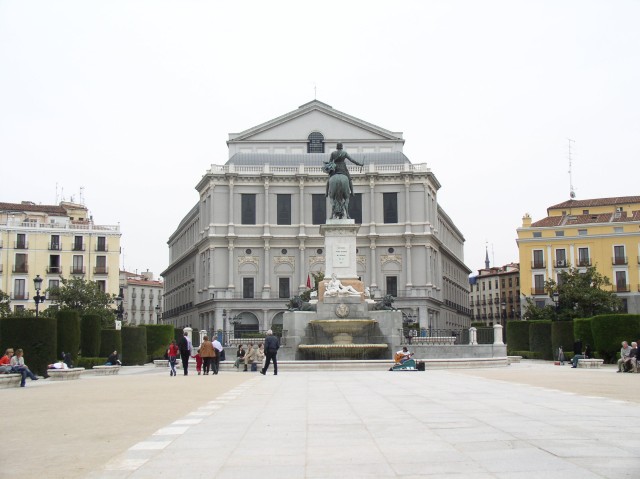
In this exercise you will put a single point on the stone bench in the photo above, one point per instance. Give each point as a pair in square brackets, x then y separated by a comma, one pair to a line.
[10, 380]
[590, 363]
[105, 370]
[65, 374]
[161, 363]
[514, 359]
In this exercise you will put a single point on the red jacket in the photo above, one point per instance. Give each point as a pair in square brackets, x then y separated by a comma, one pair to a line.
[173, 350]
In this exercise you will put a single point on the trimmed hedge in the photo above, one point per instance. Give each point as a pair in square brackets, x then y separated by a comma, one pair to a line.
[134, 346]
[561, 335]
[517, 336]
[540, 339]
[159, 337]
[90, 327]
[177, 334]
[38, 337]
[582, 332]
[609, 330]
[88, 363]
[110, 341]
[68, 332]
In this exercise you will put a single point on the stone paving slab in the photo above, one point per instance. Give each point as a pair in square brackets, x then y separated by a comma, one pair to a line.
[386, 425]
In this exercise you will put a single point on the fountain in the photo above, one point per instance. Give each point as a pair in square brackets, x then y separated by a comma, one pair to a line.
[351, 339]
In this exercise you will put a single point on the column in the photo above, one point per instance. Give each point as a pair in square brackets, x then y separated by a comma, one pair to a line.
[374, 264]
[231, 207]
[372, 208]
[407, 246]
[212, 276]
[232, 272]
[407, 205]
[301, 207]
[266, 207]
[267, 265]
[301, 265]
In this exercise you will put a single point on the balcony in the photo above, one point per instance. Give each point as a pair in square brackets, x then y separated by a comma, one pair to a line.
[561, 263]
[21, 245]
[20, 268]
[100, 270]
[622, 288]
[510, 299]
[537, 264]
[78, 247]
[619, 260]
[496, 300]
[77, 270]
[538, 291]
[54, 270]
[102, 248]
[55, 247]
[483, 302]
[584, 262]
[21, 296]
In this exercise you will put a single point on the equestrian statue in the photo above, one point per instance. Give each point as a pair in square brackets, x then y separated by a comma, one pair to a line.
[339, 186]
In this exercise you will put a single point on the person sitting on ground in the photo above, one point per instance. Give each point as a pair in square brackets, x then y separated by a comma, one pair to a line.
[58, 365]
[240, 353]
[18, 366]
[624, 354]
[5, 361]
[586, 354]
[403, 355]
[113, 359]
[629, 365]
[251, 355]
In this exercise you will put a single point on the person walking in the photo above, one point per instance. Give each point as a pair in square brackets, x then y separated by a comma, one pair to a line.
[219, 355]
[208, 352]
[172, 354]
[184, 344]
[271, 346]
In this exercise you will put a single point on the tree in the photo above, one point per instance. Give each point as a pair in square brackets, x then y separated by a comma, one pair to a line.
[5, 304]
[580, 295]
[84, 296]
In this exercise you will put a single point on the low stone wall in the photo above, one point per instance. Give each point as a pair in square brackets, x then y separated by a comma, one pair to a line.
[105, 370]
[10, 380]
[65, 374]
[590, 363]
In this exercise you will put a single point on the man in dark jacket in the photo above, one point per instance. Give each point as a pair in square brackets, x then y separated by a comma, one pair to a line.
[184, 344]
[271, 346]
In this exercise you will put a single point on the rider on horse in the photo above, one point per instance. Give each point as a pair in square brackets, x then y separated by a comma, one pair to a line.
[340, 167]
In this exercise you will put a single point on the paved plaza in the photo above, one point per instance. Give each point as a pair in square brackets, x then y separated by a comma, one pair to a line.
[529, 420]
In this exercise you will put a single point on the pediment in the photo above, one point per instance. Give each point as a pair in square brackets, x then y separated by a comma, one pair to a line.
[315, 116]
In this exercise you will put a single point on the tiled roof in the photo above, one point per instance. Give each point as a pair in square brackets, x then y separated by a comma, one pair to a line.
[315, 159]
[572, 220]
[19, 207]
[618, 200]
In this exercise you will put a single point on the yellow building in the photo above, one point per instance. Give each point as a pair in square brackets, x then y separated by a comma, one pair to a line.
[54, 241]
[600, 232]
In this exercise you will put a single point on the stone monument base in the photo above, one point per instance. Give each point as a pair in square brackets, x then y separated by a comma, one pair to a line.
[356, 283]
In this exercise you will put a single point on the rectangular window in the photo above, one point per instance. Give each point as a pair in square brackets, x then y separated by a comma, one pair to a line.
[621, 281]
[318, 209]
[283, 209]
[101, 265]
[392, 285]
[559, 233]
[19, 291]
[537, 234]
[618, 229]
[390, 207]
[55, 243]
[102, 285]
[21, 265]
[583, 257]
[54, 264]
[248, 209]
[538, 284]
[77, 243]
[355, 208]
[102, 244]
[618, 255]
[78, 264]
[21, 241]
[538, 259]
[561, 258]
[247, 288]
[582, 232]
[284, 291]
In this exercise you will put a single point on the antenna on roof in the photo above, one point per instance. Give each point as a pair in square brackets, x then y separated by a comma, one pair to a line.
[82, 195]
[572, 193]
[315, 92]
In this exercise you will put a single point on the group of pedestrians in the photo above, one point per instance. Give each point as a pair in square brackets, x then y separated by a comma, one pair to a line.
[14, 364]
[207, 357]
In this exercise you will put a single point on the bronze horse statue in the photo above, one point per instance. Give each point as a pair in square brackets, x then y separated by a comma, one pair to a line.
[339, 194]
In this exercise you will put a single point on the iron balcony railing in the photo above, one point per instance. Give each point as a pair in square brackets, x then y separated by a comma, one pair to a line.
[78, 270]
[537, 264]
[20, 268]
[78, 247]
[100, 270]
[561, 263]
[584, 262]
[619, 260]
[622, 288]
[21, 245]
[54, 270]
[102, 248]
[55, 247]
[20, 296]
[538, 291]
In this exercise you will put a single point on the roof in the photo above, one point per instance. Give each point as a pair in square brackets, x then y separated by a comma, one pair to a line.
[618, 200]
[570, 220]
[315, 159]
[30, 207]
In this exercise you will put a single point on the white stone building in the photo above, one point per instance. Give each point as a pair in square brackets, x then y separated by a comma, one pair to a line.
[252, 240]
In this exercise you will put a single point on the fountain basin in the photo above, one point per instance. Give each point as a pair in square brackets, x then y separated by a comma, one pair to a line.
[343, 351]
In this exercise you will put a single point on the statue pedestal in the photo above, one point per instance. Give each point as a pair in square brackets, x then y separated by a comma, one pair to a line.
[340, 248]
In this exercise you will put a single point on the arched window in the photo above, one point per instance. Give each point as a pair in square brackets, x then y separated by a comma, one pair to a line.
[316, 143]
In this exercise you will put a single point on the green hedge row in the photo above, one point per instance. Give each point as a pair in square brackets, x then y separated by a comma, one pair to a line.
[540, 338]
[37, 337]
[561, 336]
[88, 363]
[609, 330]
[134, 346]
[68, 333]
[110, 341]
[517, 336]
[582, 331]
[90, 328]
[159, 337]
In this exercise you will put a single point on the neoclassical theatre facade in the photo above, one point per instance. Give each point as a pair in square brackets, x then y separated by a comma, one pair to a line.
[252, 241]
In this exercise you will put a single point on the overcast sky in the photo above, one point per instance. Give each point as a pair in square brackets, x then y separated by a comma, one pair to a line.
[134, 100]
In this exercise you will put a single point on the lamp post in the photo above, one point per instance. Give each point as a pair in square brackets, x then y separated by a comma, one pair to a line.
[38, 298]
[119, 311]
[556, 297]
[157, 314]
